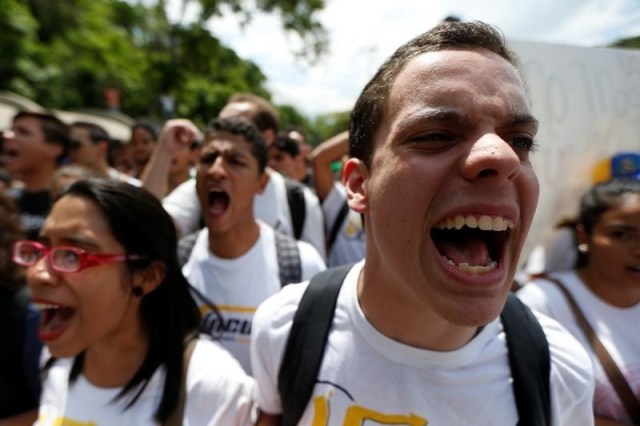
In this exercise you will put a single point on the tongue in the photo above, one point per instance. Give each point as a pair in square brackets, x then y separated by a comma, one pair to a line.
[472, 251]
[55, 319]
[217, 205]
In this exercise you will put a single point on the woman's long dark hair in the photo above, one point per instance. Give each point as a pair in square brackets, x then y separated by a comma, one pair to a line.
[170, 314]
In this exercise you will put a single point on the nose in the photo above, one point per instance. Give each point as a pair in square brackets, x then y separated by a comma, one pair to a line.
[217, 169]
[490, 156]
[8, 134]
[41, 273]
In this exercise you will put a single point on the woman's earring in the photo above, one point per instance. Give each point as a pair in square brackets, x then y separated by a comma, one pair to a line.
[583, 248]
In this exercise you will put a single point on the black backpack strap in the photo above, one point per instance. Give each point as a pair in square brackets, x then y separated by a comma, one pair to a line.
[530, 363]
[297, 205]
[289, 263]
[306, 342]
[185, 247]
[337, 224]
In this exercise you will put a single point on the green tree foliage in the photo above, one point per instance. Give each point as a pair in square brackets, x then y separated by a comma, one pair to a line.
[65, 54]
[632, 43]
[298, 18]
[328, 125]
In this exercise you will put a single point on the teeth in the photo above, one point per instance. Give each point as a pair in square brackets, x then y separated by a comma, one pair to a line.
[45, 306]
[474, 269]
[484, 222]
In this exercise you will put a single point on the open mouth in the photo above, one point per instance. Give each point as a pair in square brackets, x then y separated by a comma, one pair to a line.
[54, 319]
[472, 244]
[218, 202]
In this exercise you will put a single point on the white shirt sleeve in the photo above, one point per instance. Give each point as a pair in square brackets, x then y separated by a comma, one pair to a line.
[183, 206]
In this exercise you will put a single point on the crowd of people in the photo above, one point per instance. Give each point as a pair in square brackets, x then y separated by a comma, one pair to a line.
[233, 275]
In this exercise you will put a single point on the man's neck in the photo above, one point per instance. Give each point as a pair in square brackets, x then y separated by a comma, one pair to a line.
[40, 179]
[234, 243]
[400, 317]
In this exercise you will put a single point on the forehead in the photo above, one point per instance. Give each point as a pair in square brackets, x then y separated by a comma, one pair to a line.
[245, 110]
[225, 141]
[27, 122]
[460, 79]
[73, 214]
[79, 132]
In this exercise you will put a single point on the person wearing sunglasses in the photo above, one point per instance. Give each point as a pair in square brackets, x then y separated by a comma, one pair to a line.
[118, 318]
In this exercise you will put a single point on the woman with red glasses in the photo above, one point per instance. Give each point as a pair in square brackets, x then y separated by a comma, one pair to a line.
[118, 318]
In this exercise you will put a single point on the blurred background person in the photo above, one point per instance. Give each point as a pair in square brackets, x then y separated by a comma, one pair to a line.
[605, 287]
[143, 139]
[20, 353]
[343, 227]
[90, 145]
[34, 147]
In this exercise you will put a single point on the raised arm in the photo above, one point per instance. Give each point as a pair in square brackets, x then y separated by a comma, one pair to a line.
[321, 158]
[177, 136]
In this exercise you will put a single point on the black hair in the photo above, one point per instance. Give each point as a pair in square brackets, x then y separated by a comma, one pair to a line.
[96, 133]
[599, 199]
[53, 129]
[12, 275]
[368, 111]
[148, 127]
[285, 143]
[248, 131]
[170, 314]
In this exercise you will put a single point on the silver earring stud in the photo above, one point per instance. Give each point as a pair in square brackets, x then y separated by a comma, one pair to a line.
[583, 248]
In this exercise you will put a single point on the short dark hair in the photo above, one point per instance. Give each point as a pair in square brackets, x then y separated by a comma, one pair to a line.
[54, 130]
[370, 106]
[286, 144]
[96, 133]
[139, 222]
[147, 127]
[248, 131]
[265, 116]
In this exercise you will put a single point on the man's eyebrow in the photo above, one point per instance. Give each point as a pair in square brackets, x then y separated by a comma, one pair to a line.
[525, 119]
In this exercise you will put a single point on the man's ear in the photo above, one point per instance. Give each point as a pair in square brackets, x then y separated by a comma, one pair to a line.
[355, 178]
[103, 146]
[151, 277]
[263, 181]
[581, 235]
[54, 150]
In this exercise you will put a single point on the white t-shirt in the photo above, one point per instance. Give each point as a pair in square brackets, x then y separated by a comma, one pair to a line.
[617, 329]
[366, 375]
[348, 247]
[218, 393]
[238, 286]
[271, 207]
[123, 177]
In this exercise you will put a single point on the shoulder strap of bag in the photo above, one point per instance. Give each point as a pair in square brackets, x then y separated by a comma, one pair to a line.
[530, 363]
[306, 343]
[337, 225]
[617, 379]
[289, 262]
[175, 419]
[297, 206]
[528, 352]
[185, 247]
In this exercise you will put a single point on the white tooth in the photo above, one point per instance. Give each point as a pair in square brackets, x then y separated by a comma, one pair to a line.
[477, 269]
[499, 224]
[459, 221]
[471, 222]
[450, 223]
[509, 224]
[485, 223]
